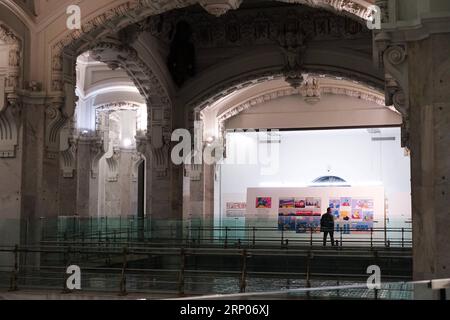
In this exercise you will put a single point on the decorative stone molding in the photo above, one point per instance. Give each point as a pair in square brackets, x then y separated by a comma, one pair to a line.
[220, 7]
[8, 132]
[10, 80]
[142, 143]
[54, 122]
[143, 76]
[356, 8]
[135, 11]
[160, 151]
[194, 172]
[311, 89]
[293, 46]
[96, 150]
[136, 159]
[12, 70]
[265, 26]
[102, 113]
[68, 159]
[394, 60]
[113, 166]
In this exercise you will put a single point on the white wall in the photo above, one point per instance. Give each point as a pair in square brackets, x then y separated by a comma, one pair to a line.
[306, 155]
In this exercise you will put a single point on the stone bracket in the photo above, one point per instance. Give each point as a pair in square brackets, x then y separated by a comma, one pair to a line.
[9, 127]
[68, 160]
[394, 60]
[54, 122]
[113, 166]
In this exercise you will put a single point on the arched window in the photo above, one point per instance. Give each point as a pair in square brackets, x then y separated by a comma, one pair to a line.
[329, 181]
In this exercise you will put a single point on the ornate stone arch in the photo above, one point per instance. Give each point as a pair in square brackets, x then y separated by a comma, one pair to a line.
[65, 50]
[10, 82]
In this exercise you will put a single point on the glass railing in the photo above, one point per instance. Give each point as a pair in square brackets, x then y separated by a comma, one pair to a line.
[197, 232]
[191, 271]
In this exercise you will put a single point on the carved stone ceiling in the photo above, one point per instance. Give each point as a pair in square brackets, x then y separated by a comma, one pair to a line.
[256, 25]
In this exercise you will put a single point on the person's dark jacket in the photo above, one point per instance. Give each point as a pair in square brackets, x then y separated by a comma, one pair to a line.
[327, 223]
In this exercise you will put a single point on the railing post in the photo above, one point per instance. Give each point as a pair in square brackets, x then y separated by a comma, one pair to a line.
[243, 282]
[120, 227]
[254, 236]
[308, 272]
[67, 264]
[371, 237]
[403, 237]
[123, 280]
[13, 284]
[311, 236]
[282, 236]
[182, 270]
[226, 237]
[90, 228]
[187, 235]
[106, 228]
[42, 228]
[340, 234]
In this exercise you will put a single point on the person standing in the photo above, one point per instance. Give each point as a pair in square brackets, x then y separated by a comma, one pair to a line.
[327, 226]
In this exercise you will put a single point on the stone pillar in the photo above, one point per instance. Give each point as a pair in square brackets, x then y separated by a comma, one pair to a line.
[429, 74]
[68, 174]
[198, 199]
[125, 182]
[42, 121]
[11, 151]
[89, 152]
[416, 60]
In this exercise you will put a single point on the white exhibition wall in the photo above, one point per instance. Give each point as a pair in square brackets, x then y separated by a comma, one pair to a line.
[356, 155]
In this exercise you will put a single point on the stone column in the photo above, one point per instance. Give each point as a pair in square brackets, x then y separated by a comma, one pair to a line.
[125, 182]
[68, 174]
[11, 158]
[89, 152]
[429, 74]
[198, 199]
[416, 60]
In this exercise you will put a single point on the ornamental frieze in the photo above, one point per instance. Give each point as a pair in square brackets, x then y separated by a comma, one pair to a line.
[256, 27]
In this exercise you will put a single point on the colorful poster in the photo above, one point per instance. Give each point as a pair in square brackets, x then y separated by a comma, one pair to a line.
[300, 202]
[313, 202]
[286, 221]
[335, 205]
[305, 213]
[363, 204]
[346, 202]
[299, 214]
[344, 214]
[286, 203]
[307, 224]
[368, 216]
[356, 214]
[263, 203]
[235, 209]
